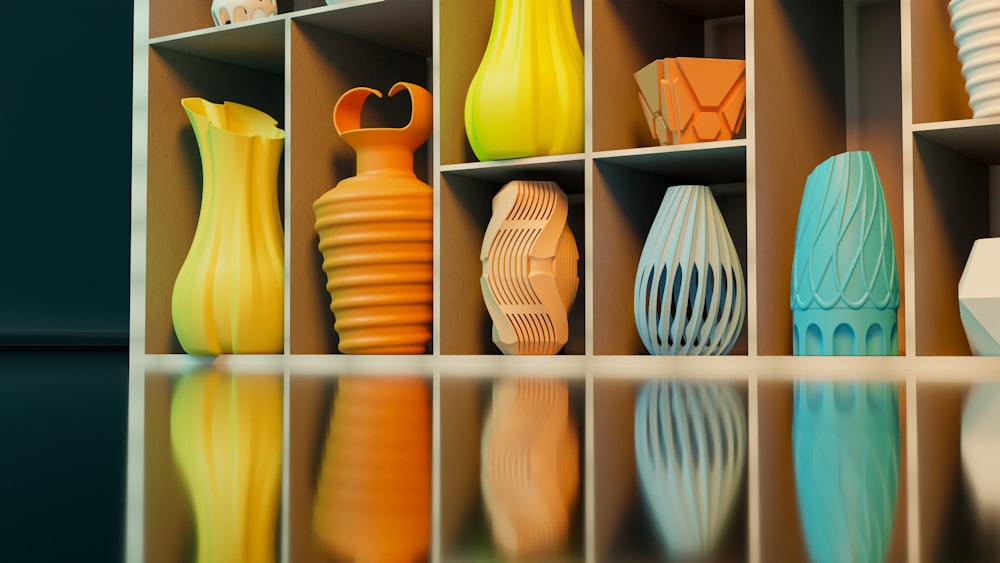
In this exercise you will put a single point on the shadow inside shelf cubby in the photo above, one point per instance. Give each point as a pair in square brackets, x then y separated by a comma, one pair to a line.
[781, 536]
[464, 32]
[828, 79]
[626, 201]
[215, 396]
[624, 529]
[466, 209]
[956, 176]
[174, 172]
[950, 529]
[630, 34]
[325, 65]
[465, 529]
[311, 408]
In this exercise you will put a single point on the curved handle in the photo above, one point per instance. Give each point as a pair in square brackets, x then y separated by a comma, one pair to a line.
[347, 111]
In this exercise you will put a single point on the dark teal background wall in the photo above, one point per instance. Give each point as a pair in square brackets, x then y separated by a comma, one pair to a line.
[64, 245]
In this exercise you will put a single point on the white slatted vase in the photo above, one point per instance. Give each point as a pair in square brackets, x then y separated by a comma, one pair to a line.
[225, 12]
[691, 447]
[690, 296]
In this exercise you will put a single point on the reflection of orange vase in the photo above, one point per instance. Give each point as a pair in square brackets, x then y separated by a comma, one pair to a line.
[373, 499]
[376, 233]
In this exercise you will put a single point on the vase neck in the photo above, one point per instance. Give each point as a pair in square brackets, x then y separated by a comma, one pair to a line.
[377, 155]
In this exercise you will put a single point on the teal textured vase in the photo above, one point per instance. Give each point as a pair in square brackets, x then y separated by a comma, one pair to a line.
[844, 299]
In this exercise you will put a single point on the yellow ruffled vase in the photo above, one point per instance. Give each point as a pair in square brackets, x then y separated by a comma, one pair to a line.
[229, 294]
[526, 98]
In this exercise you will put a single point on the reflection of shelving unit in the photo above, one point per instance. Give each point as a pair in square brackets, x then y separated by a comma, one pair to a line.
[823, 78]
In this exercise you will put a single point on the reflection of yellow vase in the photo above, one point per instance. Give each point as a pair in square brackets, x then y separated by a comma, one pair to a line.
[226, 438]
[526, 99]
[229, 293]
[373, 499]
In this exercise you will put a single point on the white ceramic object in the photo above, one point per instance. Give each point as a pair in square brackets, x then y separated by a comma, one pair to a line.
[225, 12]
[690, 445]
[976, 24]
[690, 297]
[979, 297]
[981, 449]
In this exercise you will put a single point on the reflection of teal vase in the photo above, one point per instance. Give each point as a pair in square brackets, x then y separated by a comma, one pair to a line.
[844, 298]
[845, 440]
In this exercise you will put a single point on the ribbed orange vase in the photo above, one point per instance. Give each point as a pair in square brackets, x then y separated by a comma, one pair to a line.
[373, 501]
[376, 233]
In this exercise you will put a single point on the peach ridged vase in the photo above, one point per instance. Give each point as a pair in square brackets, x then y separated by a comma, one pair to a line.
[373, 501]
[376, 233]
[530, 466]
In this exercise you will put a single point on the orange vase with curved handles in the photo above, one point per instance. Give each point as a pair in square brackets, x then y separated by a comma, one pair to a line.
[376, 233]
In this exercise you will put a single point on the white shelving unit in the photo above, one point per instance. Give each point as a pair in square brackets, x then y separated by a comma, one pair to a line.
[822, 78]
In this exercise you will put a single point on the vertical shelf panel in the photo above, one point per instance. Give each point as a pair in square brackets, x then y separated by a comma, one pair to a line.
[175, 170]
[325, 64]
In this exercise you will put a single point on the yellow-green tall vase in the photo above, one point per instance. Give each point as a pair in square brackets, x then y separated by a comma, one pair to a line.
[229, 294]
[526, 98]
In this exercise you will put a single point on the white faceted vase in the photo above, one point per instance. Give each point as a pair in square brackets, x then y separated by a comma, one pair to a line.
[225, 12]
[981, 451]
[690, 297]
[691, 444]
[979, 297]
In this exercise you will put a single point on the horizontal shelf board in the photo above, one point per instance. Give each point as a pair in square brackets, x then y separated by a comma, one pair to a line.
[956, 369]
[404, 25]
[504, 170]
[708, 9]
[258, 44]
[978, 139]
[718, 162]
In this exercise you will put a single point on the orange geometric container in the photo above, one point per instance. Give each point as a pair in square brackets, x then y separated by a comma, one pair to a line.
[692, 100]
[376, 233]
[373, 500]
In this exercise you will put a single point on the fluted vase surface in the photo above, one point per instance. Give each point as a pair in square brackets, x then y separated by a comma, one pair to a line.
[228, 297]
[376, 233]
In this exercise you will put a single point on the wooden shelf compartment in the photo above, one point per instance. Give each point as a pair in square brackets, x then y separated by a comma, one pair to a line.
[174, 173]
[465, 210]
[781, 537]
[938, 88]
[827, 80]
[464, 528]
[625, 202]
[630, 34]
[325, 65]
[623, 529]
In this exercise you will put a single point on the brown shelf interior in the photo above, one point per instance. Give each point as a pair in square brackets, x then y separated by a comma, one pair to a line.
[324, 66]
[466, 209]
[938, 86]
[465, 531]
[623, 528]
[174, 178]
[781, 536]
